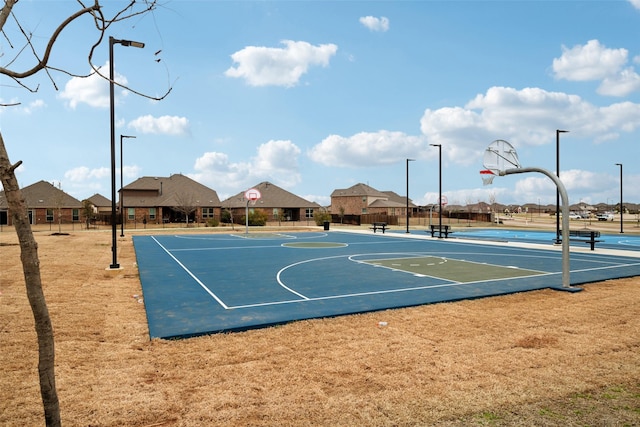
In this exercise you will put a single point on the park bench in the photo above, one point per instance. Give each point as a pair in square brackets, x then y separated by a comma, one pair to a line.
[586, 236]
[446, 230]
[379, 226]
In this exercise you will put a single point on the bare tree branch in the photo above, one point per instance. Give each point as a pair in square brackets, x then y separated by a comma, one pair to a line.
[45, 59]
[6, 11]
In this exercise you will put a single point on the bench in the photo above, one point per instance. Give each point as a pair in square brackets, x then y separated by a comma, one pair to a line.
[586, 236]
[446, 229]
[379, 226]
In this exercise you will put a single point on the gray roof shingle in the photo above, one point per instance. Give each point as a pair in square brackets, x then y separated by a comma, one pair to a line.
[272, 196]
[43, 194]
[170, 191]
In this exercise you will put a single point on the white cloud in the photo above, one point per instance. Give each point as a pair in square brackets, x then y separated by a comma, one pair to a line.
[635, 3]
[596, 185]
[367, 149]
[92, 90]
[165, 125]
[15, 103]
[593, 61]
[622, 84]
[278, 158]
[34, 105]
[375, 24]
[83, 173]
[523, 117]
[276, 161]
[265, 66]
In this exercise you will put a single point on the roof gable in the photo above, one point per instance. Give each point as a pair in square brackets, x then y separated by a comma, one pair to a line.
[395, 197]
[272, 196]
[99, 200]
[175, 190]
[43, 194]
[358, 190]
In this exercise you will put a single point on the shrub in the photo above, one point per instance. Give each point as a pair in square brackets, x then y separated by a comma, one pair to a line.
[256, 217]
[225, 217]
[321, 217]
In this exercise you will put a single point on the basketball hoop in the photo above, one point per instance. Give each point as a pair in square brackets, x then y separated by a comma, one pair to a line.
[252, 195]
[487, 176]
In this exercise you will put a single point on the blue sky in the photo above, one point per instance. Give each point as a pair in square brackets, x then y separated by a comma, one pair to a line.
[318, 95]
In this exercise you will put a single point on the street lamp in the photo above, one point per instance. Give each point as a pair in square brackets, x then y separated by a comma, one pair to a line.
[408, 160]
[440, 188]
[558, 132]
[112, 41]
[121, 184]
[621, 208]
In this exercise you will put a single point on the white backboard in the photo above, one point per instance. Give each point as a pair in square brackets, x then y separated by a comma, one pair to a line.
[500, 156]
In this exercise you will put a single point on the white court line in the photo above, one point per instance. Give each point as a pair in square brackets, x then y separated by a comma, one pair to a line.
[385, 291]
[192, 275]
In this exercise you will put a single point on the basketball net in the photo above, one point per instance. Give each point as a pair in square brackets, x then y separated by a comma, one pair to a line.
[252, 202]
[487, 177]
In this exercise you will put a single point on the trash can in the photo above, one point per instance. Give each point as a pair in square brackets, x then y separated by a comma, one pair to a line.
[326, 225]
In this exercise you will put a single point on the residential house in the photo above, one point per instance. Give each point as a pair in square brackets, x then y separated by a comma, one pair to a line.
[276, 203]
[100, 208]
[176, 198]
[362, 199]
[46, 204]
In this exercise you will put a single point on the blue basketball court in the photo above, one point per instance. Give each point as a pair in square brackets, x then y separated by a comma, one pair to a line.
[201, 284]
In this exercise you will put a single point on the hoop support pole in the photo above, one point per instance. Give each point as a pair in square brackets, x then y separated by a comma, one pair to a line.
[566, 282]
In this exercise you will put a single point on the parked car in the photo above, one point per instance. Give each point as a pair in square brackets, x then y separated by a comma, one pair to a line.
[605, 216]
[574, 215]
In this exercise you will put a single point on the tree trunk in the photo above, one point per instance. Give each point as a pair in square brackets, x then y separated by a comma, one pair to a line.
[33, 282]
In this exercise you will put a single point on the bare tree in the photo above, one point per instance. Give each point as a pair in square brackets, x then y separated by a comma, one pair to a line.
[492, 204]
[15, 200]
[468, 202]
[186, 204]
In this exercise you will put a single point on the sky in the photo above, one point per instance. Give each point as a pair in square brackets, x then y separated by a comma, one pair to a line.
[315, 96]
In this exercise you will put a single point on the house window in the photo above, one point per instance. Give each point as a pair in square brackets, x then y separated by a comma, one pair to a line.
[49, 215]
[364, 199]
[276, 213]
[309, 213]
[76, 214]
[207, 213]
[364, 210]
[131, 214]
[152, 214]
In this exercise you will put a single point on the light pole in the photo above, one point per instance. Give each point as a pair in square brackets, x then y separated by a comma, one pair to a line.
[621, 208]
[112, 41]
[558, 132]
[408, 160]
[121, 184]
[439, 188]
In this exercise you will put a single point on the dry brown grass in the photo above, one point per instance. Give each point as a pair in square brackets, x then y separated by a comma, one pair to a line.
[540, 358]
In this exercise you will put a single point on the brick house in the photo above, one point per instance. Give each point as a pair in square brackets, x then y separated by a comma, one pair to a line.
[100, 207]
[176, 198]
[46, 204]
[362, 199]
[276, 203]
